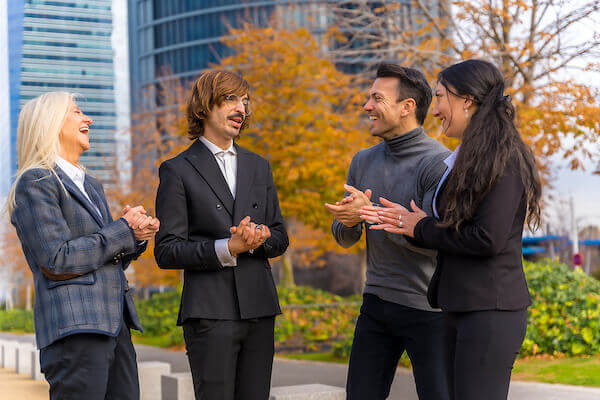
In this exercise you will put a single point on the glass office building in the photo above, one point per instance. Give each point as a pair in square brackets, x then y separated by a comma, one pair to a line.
[178, 39]
[65, 45]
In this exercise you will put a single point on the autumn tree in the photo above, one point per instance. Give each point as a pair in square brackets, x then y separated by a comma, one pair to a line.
[305, 120]
[17, 275]
[539, 46]
[158, 132]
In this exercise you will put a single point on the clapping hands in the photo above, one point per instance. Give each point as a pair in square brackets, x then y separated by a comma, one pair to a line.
[247, 236]
[144, 226]
[347, 210]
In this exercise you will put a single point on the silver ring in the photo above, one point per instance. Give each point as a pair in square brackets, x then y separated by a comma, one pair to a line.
[258, 227]
[399, 217]
[400, 224]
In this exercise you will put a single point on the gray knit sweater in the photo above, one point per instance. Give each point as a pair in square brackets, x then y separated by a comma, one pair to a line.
[402, 169]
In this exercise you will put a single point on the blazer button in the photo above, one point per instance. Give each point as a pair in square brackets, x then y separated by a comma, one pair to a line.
[219, 206]
[255, 205]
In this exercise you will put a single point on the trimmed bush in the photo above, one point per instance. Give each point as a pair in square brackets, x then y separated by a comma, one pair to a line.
[16, 321]
[564, 316]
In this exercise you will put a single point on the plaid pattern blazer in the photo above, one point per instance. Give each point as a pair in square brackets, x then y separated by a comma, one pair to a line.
[77, 256]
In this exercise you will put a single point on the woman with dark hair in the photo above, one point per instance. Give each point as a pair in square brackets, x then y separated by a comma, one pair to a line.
[490, 188]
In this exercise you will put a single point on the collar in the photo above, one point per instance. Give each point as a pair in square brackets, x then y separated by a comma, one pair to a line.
[451, 159]
[75, 173]
[216, 149]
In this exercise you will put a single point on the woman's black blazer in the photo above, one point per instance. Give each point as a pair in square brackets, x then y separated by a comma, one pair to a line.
[480, 266]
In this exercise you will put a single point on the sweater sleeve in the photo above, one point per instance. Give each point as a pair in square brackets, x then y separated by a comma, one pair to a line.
[348, 236]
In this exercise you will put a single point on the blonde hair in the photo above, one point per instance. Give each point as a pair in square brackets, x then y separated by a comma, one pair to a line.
[38, 145]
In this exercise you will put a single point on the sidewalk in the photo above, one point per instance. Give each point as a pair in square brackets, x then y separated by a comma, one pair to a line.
[21, 387]
[292, 372]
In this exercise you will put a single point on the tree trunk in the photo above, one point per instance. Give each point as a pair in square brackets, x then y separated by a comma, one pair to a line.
[363, 269]
[286, 277]
[28, 298]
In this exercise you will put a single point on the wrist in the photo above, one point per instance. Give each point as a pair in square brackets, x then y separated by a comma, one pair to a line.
[231, 251]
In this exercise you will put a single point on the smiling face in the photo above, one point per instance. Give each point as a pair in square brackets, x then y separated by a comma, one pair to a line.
[224, 121]
[74, 134]
[450, 109]
[386, 114]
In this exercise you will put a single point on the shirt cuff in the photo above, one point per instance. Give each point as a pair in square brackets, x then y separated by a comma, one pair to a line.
[223, 254]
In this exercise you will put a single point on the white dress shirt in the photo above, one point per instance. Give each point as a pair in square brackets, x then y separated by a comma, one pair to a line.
[227, 161]
[77, 175]
[449, 161]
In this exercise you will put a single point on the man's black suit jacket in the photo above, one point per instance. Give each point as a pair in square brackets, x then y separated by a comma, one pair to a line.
[480, 265]
[195, 208]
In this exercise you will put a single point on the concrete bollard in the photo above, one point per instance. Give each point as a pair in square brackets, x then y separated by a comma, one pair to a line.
[177, 386]
[36, 370]
[9, 355]
[149, 373]
[23, 361]
[308, 392]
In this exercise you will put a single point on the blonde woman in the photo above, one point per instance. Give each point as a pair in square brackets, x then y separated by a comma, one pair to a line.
[77, 254]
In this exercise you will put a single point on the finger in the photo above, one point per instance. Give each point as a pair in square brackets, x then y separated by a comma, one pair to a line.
[251, 234]
[348, 199]
[414, 206]
[389, 204]
[267, 232]
[380, 227]
[139, 209]
[145, 222]
[244, 222]
[350, 188]
[370, 219]
[233, 230]
[369, 214]
[388, 220]
[125, 209]
[333, 208]
[368, 193]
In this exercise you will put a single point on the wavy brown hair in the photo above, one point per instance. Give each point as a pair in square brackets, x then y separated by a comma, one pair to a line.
[490, 142]
[208, 91]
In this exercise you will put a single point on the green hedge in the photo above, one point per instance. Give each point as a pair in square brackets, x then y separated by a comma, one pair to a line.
[563, 319]
[16, 321]
[565, 314]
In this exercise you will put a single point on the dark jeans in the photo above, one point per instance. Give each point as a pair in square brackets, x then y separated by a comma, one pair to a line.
[481, 349]
[230, 360]
[91, 366]
[383, 332]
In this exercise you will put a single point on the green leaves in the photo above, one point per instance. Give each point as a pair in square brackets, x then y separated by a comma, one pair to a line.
[564, 316]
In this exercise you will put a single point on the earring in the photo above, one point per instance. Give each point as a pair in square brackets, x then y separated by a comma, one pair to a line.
[466, 113]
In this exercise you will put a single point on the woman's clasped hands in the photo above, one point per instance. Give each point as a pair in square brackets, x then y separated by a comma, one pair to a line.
[392, 217]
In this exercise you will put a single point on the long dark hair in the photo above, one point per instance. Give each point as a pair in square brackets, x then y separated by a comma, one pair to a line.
[490, 141]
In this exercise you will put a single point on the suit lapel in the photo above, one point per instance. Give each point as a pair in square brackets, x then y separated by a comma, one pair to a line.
[204, 162]
[75, 192]
[244, 180]
[97, 199]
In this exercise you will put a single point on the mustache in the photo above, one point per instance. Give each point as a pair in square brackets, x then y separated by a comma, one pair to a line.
[240, 115]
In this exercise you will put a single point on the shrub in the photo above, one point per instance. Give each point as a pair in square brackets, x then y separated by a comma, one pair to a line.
[16, 321]
[564, 316]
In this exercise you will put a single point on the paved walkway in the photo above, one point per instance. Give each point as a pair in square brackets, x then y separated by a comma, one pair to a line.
[292, 372]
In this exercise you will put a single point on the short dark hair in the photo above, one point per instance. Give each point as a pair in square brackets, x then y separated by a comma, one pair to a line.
[412, 84]
[210, 89]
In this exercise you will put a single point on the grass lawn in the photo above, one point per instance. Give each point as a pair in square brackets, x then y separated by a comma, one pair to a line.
[582, 371]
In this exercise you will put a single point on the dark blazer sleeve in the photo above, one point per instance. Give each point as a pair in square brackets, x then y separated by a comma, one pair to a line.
[42, 228]
[278, 243]
[173, 249]
[488, 231]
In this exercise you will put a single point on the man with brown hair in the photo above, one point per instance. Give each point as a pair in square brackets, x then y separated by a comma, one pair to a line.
[220, 223]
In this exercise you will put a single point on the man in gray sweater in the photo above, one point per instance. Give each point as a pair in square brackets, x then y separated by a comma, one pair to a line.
[395, 315]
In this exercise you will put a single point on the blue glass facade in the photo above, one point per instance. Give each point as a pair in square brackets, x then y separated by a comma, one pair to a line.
[65, 46]
[15, 53]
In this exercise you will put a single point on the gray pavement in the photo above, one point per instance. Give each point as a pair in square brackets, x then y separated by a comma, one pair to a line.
[292, 372]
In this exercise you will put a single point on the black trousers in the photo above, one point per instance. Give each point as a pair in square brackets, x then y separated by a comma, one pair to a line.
[92, 366]
[481, 349]
[230, 360]
[383, 332]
